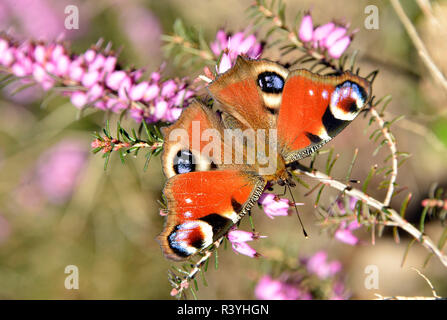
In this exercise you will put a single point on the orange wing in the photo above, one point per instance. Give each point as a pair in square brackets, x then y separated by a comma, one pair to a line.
[242, 95]
[202, 206]
[185, 140]
[315, 108]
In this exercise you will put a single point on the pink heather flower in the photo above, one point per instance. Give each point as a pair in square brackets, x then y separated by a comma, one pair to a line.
[329, 38]
[245, 249]
[274, 206]
[322, 32]
[59, 169]
[79, 99]
[344, 232]
[270, 289]
[232, 46]
[306, 28]
[235, 235]
[337, 49]
[335, 35]
[318, 265]
[137, 92]
[239, 238]
[104, 85]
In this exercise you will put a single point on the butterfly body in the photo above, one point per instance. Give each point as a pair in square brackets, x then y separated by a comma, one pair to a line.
[218, 164]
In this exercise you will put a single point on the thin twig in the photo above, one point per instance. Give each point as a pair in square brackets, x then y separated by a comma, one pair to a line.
[177, 291]
[435, 295]
[392, 145]
[392, 215]
[421, 49]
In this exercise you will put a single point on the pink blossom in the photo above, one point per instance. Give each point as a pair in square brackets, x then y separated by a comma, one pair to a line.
[225, 63]
[103, 84]
[245, 249]
[230, 47]
[337, 49]
[322, 32]
[306, 28]
[344, 232]
[59, 169]
[318, 265]
[239, 238]
[330, 38]
[273, 205]
[235, 235]
[270, 289]
[333, 36]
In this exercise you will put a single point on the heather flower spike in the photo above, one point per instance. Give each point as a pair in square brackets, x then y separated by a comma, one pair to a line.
[229, 47]
[329, 38]
[101, 83]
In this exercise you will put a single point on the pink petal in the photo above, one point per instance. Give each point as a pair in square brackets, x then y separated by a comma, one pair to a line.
[78, 99]
[323, 31]
[306, 29]
[137, 92]
[346, 236]
[245, 249]
[337, 49]
[114, 80]
[336, 34]
[225, 63]
[151, 92]
[90, 78]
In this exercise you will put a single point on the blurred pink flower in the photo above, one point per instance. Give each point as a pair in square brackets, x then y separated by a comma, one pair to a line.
[142, 27]
[339, 291]
[318, 264]
[270, 289]
[352, 202]
[59, 168]
[229, 47]
[344, 232]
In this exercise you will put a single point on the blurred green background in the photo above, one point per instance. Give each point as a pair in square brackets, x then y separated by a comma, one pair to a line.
[105, 222]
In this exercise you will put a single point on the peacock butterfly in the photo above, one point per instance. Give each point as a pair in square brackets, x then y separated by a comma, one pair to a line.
[218, 163]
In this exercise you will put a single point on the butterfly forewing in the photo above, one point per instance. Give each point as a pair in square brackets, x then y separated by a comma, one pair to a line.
[315, 108]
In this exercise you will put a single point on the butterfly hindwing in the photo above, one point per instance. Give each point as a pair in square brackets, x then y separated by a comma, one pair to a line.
[314, 109]
[202, 206]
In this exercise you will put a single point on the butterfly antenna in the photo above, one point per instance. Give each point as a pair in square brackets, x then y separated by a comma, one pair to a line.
[296, 210]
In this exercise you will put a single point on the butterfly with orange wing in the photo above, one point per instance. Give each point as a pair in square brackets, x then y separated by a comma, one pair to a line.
[299, 111]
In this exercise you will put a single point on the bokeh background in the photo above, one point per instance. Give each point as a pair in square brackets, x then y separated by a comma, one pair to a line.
[58, 207]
